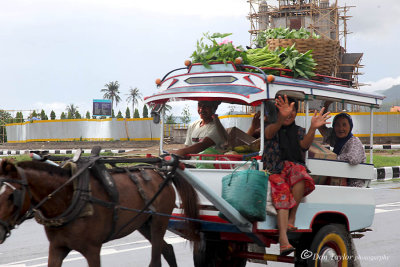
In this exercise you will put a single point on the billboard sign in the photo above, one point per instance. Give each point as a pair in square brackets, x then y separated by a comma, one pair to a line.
[101, 107]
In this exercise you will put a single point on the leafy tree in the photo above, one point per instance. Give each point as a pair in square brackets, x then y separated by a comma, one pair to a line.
[77, 115]
[5, 117]
[136, 113]
[186, 115]
[170, 119]
[19, 117]
[63, 116]
[43, 115]
[34, 114]
[133, 96]
[112, 113]
[87, 115]
[145, 111]
[127, 113]
[71, 111]
[119, 115]
[111, 92]
[52, 115]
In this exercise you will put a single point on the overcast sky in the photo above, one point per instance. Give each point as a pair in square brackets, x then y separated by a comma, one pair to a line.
[60, 52]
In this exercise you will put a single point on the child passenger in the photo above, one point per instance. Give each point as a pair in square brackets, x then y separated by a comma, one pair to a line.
[284, 158]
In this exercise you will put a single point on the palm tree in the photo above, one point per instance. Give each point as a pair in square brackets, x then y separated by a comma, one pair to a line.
[133, 96]
[167, 108]
[71, 111]
[167, 115]
[112, 93]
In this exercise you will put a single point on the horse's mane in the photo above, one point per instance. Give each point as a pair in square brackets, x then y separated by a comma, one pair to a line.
[41, 166]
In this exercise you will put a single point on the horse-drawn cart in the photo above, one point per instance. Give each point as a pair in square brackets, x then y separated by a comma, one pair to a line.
[327, 219]
[83, 208]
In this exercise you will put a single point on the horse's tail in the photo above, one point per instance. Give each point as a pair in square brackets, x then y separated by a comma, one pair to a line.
[190, 205]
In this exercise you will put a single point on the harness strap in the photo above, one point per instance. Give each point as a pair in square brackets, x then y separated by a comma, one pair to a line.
[79, 199]
[162, 185]
[101, 173]
[79, 172]
[142, 193]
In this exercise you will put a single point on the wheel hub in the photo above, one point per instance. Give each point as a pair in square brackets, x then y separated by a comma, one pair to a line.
[329, 258]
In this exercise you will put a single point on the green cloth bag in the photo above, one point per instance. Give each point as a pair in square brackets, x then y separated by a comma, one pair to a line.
[246, 191]
[211, 151]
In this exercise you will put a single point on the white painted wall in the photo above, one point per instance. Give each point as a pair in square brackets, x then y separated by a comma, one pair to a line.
[142, 129]
[386, 124]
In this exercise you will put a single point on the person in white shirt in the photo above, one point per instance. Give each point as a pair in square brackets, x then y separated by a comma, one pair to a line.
[206, 132]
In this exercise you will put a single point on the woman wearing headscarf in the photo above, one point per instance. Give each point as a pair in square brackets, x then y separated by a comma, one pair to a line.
[284, 159]
[347, 146]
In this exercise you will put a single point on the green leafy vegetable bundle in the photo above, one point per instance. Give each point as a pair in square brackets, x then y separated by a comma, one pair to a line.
[217, 52]
[301, 64]
[263, 57]
[283, 33]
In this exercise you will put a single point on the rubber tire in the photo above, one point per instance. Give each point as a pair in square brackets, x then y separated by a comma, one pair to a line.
[215, 253]
[332, 236]
[303, 243]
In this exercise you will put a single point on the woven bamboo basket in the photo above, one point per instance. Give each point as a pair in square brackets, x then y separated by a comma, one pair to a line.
[325, 51]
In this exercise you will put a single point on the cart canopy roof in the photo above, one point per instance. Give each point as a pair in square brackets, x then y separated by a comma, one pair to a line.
[224, 82]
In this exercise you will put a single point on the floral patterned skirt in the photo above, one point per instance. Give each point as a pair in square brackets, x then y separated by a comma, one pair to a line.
[282, 183]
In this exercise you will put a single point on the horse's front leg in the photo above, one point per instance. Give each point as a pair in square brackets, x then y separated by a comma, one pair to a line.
[56, 255]
[92, 255]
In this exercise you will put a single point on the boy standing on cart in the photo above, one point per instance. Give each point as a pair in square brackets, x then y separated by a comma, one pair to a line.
[284, 157]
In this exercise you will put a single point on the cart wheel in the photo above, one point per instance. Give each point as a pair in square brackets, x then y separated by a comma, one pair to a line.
[331, 246]
[217, 253]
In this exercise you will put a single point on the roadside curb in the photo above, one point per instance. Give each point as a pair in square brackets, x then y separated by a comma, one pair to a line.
[382, 147]
[386, 173]
[57, 151]
[377, 147]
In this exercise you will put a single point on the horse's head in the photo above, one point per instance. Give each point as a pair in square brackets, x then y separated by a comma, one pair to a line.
[13, 188]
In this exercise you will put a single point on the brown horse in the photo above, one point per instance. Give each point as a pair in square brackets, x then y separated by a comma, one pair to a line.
[25, 185]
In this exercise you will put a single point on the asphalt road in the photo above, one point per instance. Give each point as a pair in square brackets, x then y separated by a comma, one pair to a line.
[27, 246]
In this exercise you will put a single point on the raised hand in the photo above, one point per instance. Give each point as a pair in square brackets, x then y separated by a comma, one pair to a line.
[320, 119]
[285, 109]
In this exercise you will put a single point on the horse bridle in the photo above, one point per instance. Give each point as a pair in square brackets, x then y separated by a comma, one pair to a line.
[18, 200]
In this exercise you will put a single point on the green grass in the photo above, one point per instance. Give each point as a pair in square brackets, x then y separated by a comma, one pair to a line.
[27, 157]
[384, 161]
[20, 157]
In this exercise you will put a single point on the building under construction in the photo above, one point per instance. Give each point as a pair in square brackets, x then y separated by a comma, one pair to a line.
[322, 17]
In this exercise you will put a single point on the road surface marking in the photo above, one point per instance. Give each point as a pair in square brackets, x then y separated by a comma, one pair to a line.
[387, 207]
[106, 250]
